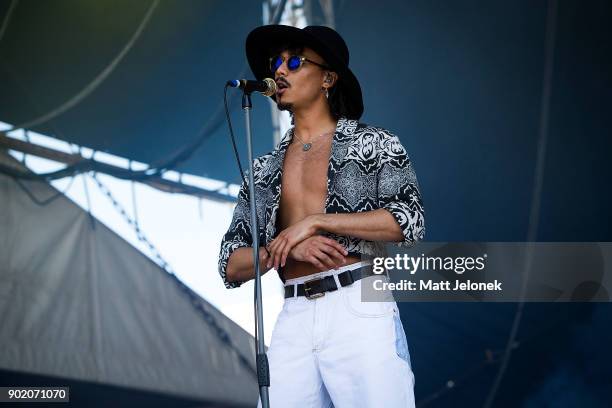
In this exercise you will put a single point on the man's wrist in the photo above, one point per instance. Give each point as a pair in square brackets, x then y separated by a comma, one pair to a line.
[319, 222]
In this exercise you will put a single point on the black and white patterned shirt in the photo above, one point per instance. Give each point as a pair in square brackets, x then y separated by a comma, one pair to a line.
[368, 169]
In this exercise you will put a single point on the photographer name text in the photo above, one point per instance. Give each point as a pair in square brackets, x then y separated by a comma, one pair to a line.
[430, 285]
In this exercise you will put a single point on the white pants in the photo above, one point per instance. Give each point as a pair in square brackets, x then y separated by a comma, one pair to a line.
[336, 351]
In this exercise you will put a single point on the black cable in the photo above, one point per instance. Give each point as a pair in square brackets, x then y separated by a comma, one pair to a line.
[154, 171]
[97, 81]
[232, 138]
[7, 18]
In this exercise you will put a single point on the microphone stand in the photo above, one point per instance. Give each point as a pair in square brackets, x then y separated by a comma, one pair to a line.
[263, 372]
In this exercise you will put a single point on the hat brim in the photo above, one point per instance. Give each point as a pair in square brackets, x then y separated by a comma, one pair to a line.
[265, 39]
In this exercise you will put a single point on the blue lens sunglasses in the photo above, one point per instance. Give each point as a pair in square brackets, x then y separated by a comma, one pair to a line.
[294, 62]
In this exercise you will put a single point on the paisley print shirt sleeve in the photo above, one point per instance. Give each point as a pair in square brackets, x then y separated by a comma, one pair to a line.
[239, 233]
[398, 189]
[237, 236]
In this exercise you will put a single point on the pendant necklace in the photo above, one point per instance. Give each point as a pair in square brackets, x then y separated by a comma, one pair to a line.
[306, 146]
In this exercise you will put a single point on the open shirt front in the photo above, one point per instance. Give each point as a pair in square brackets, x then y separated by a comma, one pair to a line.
[368, 169]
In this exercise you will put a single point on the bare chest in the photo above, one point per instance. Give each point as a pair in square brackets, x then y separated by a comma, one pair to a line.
[304, 182]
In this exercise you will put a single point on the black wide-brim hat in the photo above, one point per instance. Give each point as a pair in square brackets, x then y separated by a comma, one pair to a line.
[264, 40]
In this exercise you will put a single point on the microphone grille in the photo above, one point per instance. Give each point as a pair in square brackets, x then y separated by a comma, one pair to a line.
[271, 87]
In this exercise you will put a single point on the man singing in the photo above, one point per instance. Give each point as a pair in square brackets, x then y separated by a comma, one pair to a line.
[327, 198]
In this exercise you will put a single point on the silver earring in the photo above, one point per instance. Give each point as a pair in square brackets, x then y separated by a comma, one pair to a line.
[326, 91]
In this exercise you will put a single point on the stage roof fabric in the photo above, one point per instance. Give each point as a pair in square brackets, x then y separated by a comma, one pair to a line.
[79, 302]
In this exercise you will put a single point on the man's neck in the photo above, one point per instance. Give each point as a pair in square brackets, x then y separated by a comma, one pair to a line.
[313, 122]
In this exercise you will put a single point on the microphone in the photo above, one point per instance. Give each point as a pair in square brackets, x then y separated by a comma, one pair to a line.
[267, 86]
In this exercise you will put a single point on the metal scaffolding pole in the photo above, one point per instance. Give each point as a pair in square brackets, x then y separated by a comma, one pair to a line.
[159, 183]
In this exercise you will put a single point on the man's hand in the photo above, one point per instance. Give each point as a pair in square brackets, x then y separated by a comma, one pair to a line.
[289, 238]
[322, 252]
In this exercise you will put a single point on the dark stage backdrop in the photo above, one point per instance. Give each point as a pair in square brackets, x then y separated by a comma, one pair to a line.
[460, 83]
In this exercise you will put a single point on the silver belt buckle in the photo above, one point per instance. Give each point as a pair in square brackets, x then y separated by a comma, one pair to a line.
[307, 290]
